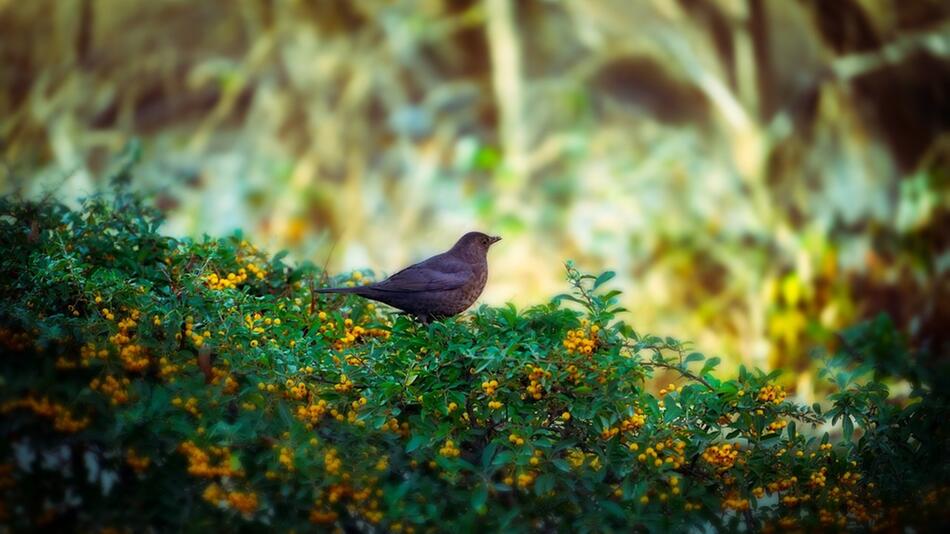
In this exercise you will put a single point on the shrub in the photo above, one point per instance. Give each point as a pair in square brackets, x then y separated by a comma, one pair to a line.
[172, 384]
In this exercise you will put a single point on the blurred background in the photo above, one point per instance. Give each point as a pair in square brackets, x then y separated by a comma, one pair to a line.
[758, 172]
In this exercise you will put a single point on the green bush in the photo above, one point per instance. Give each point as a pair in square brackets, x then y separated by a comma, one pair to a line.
[155, 382]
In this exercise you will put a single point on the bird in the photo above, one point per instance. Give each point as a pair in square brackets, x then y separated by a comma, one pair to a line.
[442, 286]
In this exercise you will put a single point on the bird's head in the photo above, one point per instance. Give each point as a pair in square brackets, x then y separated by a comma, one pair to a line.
[475, 244]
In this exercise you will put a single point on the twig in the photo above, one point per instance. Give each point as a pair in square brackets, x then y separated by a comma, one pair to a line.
[683, 372]
[665, 365]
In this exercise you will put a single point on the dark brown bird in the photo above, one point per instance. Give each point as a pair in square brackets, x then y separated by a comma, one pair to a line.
[441, 286]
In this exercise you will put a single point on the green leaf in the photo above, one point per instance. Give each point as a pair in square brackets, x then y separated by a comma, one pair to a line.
[544, 484]
[479, 496]
[235, 462]
[415, 442]
[561, 464]
[847, 425]
[503, 458]
[604, 278]
[613, 509]
[564, 296]
[488, 454]
[672, 411]
[710, 364]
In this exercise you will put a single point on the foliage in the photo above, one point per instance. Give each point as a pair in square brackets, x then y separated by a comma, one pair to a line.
[760, 174]
[150, 381]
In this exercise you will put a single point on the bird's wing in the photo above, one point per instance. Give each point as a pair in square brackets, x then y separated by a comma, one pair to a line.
[439, 273]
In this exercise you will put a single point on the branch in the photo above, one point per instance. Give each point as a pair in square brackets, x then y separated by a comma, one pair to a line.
[664, 365]
[687, 374]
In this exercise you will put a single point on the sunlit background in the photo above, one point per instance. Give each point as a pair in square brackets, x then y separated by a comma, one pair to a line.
[758, 172]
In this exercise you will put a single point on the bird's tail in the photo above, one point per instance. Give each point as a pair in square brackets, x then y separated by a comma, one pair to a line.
[337, 290]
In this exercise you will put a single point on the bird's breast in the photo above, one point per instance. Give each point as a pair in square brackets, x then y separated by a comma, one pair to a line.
[474, 289]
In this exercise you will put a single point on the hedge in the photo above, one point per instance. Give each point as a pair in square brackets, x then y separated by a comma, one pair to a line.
[169, 384]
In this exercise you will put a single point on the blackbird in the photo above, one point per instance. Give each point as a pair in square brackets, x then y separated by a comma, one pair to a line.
[442, 286]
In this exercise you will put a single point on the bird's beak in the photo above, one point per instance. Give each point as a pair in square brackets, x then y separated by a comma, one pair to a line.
[495, 239]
